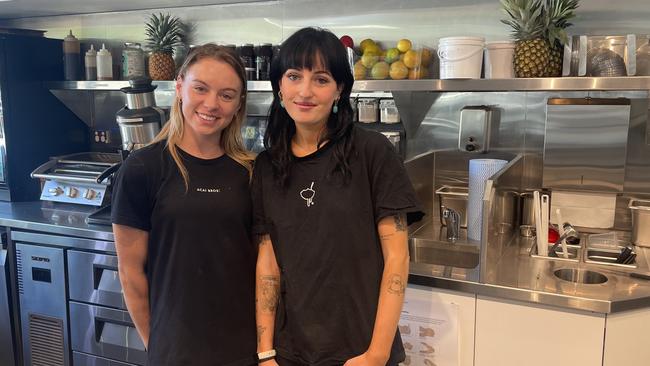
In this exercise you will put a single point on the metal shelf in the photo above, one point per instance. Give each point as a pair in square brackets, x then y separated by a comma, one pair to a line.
[166, 85]
[434, 85]
[532, 84]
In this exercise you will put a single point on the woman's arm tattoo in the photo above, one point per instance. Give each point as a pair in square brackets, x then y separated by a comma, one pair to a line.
[396, 284]
[260, 331]
[270, 292]
[400, 225]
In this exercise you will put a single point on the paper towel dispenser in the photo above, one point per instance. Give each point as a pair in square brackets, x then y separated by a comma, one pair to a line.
[585, 144]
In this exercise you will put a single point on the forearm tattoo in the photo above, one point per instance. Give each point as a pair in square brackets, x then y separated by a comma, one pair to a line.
[400, 225]
[260, 331]
[269, 292]
[396, 284]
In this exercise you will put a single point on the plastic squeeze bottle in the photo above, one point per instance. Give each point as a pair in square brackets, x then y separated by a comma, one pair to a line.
[104, 64]
[71, 57]
[91, 63]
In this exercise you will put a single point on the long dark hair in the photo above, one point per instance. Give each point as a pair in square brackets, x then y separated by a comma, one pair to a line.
[305, 49]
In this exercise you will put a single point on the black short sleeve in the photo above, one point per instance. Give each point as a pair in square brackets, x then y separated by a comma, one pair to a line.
[131, 201]
[260, 221]
[391, 187]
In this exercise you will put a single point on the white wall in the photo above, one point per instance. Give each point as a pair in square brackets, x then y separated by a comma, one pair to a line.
[423, 21]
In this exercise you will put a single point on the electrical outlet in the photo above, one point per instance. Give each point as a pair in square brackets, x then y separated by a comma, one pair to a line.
[102, 136]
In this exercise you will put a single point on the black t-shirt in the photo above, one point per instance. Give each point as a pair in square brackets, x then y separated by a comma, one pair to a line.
[324, 234]
[200, 259]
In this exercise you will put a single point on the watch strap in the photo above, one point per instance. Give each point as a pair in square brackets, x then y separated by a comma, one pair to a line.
[266, 355]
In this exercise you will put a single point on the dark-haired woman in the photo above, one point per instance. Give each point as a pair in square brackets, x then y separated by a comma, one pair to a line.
[331, 204]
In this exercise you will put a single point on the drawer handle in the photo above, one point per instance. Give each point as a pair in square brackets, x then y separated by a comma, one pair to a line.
[117, 332]
[106, 278]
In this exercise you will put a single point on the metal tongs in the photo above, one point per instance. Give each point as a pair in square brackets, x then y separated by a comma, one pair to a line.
[569, 233]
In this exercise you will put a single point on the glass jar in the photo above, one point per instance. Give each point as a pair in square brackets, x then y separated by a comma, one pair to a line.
[132, 61]
[388, 111]
[368, 109]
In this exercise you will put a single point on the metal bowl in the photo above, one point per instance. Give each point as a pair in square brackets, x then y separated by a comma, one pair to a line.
[605, 62]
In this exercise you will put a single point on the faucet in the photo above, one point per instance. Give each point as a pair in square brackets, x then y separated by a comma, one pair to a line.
[452, 221]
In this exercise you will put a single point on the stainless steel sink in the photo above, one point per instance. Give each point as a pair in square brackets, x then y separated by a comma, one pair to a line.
[443, 253]
[579, 275]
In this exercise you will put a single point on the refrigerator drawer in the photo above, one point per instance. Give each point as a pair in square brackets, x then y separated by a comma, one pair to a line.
[106, 333]
[82, 359]
[93, 278]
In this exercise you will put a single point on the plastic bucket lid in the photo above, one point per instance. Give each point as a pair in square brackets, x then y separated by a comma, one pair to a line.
[500, 45]
[478, 41]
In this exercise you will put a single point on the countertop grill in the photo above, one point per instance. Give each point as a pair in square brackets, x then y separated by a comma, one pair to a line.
[81, 178]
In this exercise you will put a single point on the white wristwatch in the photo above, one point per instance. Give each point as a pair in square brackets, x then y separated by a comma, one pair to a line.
[266, 355]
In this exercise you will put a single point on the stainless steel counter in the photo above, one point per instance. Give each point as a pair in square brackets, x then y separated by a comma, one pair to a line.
[53, 218]
[511, 275]
[515, 275]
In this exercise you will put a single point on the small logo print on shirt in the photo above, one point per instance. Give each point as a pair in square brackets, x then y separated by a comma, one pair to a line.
[208, 190]
[308, 194]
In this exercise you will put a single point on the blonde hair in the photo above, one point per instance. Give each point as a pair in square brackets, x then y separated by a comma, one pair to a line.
[231, 140]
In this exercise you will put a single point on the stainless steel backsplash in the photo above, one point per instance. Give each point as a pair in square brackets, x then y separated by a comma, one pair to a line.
[520, 130]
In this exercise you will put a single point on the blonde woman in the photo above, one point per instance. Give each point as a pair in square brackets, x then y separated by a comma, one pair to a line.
[182, 221]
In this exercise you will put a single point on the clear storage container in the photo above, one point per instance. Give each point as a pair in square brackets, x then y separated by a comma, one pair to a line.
[385, 61]
[388, 111]
[368, 109]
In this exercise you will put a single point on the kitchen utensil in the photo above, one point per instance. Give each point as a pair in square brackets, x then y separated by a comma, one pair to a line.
[545, 206]
[542, 248]
[640, 275]
[630, 259]
[569, 231]
[624, 255]
[560, 227]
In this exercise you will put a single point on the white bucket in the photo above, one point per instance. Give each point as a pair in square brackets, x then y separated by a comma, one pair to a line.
[498, 60]
[461, 57]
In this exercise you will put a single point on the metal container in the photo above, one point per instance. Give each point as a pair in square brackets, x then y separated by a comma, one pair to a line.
[454, 198]
[591, 55]
[640, 222]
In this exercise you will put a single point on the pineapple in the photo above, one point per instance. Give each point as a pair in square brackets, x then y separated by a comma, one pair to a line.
[164, 32]
[531, 50]
[558, 13]
[538, 29]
